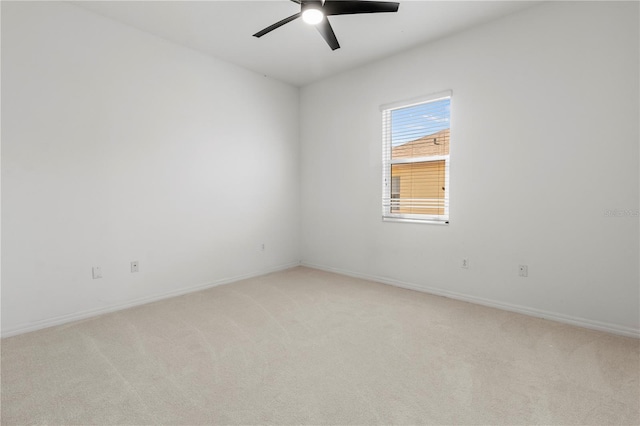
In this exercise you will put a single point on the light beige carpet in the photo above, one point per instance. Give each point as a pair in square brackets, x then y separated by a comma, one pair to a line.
[309, 347]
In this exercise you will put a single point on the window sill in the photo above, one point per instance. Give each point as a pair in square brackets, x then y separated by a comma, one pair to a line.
[421, 221]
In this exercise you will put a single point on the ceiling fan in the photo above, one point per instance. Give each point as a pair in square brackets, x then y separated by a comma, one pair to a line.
[315, 12]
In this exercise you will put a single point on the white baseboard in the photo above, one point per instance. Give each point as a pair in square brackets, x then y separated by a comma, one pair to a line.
[566, 319]
[63, 319]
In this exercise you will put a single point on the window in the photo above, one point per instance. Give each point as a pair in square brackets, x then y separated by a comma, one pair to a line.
[415, 163]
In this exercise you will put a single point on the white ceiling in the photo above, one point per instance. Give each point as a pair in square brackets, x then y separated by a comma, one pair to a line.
[296, 53]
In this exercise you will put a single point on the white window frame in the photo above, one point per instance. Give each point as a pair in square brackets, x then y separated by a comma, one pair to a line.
[387, 214]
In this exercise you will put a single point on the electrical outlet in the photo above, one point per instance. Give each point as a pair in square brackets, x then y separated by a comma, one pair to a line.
[464, 263]
[523, 270]
[97, 272]
[134, 266]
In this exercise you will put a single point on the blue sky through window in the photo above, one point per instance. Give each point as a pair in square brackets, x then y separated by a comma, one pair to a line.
[414, 122]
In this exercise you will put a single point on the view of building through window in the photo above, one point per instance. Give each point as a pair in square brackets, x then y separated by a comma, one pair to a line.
[417, 160]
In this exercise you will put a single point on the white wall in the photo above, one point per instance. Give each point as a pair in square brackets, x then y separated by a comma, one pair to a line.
[118, 146]
[544, 140]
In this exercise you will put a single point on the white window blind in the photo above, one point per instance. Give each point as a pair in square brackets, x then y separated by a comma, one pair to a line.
[416, 140]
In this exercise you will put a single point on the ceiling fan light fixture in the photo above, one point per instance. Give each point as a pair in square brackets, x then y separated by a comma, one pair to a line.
[312, 16]
[313, 12]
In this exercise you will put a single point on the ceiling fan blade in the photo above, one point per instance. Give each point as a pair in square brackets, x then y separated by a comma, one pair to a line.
[325, 30]
[347, 7]
[277, 25]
